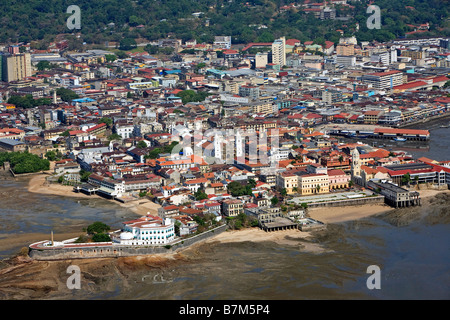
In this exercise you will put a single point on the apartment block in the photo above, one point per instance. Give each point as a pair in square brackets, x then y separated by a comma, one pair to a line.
[279, 51]
[384, 80]
[15, 67]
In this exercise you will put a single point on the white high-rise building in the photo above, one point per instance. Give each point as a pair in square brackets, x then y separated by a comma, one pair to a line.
[279, 51]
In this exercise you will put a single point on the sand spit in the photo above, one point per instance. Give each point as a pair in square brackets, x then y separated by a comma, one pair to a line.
[39, 184]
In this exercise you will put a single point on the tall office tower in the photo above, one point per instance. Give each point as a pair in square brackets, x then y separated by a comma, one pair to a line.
[279, 51]
[15, 67]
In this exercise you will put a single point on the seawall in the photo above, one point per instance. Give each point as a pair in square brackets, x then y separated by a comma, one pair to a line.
[436, 118]
[348, 202]
[110, 250]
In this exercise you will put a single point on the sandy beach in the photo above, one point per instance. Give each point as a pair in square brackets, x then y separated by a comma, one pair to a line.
[343, 214]
[292, 237]
[38, 184]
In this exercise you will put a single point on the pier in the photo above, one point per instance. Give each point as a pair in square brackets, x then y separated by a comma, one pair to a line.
[278, 223]
[383, 133]
[394, 195]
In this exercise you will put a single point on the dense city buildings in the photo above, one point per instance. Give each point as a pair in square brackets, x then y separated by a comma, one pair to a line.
[215, 130]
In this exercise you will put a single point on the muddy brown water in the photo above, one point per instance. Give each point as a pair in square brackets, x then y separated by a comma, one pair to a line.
[399, 243]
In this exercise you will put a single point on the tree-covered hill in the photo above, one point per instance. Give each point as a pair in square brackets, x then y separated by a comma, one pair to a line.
[245, 20]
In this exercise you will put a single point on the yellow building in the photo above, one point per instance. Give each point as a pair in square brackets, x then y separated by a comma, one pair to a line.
[288, 181]
[345, 50]
[372, 116]
[232, 207]
[313, 184]
[265, 107]
[15, 67]
[413, 54]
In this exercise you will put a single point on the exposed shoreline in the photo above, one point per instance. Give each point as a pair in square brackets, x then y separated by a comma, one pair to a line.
[37, 184]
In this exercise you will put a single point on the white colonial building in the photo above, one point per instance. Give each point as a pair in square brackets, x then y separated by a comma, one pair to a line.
[147, 230]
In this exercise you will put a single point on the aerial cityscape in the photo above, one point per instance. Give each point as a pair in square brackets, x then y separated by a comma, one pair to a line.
[225, 150]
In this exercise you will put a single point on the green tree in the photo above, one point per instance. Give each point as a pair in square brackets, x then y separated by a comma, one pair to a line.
[151, 49]
[66, 95]
[177, 227]
[97, 227]
[24, 162]
[141, 145]
[121, 55]
[168, 148]
[101, 237]
[406, 178]
[236, 189]
[192, 96]
[200, 195]
[127, 44]
[105, 120]
[274, 201]
[114, 136]
[199, 66]
[84, 175]
[154, 154]
[44, 64]
[252, 183]
[142, 194]
[110, 57]
[22, 101]
[447, 84]
[51, 155]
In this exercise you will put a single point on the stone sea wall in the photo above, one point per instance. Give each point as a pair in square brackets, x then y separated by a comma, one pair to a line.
[348, 202]
[114, 251]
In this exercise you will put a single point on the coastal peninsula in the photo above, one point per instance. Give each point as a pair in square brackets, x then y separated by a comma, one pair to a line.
[46, 279]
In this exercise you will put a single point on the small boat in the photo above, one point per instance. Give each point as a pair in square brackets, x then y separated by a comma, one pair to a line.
[399, 139]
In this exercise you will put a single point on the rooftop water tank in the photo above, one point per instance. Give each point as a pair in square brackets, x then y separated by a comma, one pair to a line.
[126, 236]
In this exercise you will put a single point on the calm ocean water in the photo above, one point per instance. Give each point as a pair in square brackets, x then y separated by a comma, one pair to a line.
[414, 260]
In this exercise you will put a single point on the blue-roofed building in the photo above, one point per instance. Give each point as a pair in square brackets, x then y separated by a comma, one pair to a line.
[84, 101]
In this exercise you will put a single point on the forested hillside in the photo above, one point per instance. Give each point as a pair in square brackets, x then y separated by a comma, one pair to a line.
[245, 20]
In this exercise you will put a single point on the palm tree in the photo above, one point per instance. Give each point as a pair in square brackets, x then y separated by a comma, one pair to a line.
[318, 188]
